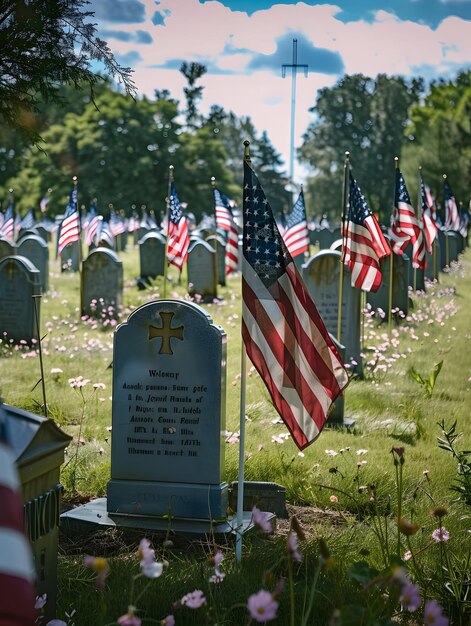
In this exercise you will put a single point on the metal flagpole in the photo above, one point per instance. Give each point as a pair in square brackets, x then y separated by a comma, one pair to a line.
[240, 480]
[294, 66]
[40, 352]
[346, 171]
[213, 185]
[391, 264]
[170, 180]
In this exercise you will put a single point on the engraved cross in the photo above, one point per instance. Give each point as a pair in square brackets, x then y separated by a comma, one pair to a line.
[166, 332]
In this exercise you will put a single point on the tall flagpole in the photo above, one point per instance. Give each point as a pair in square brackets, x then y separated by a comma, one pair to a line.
[346, 171]
[170, 180]
[240, 480]
[80, 254]
[391, 262]
[447, 251]
[213, 185]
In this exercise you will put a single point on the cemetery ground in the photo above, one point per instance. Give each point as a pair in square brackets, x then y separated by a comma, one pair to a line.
[347, 490]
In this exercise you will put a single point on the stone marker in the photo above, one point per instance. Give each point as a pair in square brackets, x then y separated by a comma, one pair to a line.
[336, 245]
[219, 246]
[70, 258]
[432, 270]
[34, 248]
[43, 232]
[167, 453]
[448, 247]
[152, 255]
[7, 248]
[400, 291]
[102, 283]
[19, 282]
[201, 269]
[321, 275]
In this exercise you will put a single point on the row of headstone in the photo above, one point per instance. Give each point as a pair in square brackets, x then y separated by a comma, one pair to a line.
[35, 249]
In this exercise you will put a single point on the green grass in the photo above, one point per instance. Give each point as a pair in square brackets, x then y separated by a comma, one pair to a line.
[390, 410]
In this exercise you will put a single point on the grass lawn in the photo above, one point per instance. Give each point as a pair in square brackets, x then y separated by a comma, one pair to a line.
[347, 489]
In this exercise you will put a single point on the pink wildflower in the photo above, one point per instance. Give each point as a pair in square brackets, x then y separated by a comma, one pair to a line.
[333, 499]
[440, 535]
[168, 621]
[40, 601]
[262, 607]
[293, 547]
[130, 618]
[410, 597]
[194, 600]
[261, 519]
[100, 566]
[433, 615]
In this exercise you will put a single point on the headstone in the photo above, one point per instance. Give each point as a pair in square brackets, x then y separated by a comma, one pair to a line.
[102, 283]
[448, 247]
[201, 269]
[34, 248]
[168, 414]
[336, 245]
[19, 283]
[432, 259]
[43, 232]
[7, 248]
[25, 232]
[321, 275]
[416, 276]
[142, 231]
[219, 246]
[70, 258]
[400, 286]
[323, 237]
[152, 255]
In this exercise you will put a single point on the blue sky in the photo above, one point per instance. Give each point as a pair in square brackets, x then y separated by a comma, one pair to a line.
[243, 44]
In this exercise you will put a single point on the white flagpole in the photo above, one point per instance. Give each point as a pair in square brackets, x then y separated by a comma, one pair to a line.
[240, 481]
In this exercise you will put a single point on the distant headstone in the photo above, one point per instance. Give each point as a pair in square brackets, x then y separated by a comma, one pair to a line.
[400, 285]
[336, 245]
[416, 276]
[206, 232]
[324, 238]
[43, 232]
[168, 414]
[448, 247]
[34, 248]
[25, 232]
[201, 269]
[70, 258]
[152, 255]
[432, 259]
[102, 283]
[321, 275]
[142, 231]
[7, 248]
[219, 246]
[19, 283]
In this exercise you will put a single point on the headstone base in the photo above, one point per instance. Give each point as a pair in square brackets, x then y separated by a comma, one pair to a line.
[182, 500]
[94, 515]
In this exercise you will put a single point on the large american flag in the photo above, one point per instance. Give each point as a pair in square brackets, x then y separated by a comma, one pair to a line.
[225, 220]
[295, 233]
[452, 217]
[364, 243]
[178, 237]
[70, 225]
[8, 227]
[283, 333]
[405, 226]
[429, 227]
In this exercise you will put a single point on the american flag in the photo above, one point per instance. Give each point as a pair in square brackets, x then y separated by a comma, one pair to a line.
[430, 229]
[8, 227]
[105, 235]
[223, 211]
[178, 237]
[364, 243]
[464, 222]
[93, 226]
[295, 233]
[225, 220]
[29, 220]
[452, 217]
[16, 561]
[70, 225]
[405, 226]
[117, 224]
[283, 333]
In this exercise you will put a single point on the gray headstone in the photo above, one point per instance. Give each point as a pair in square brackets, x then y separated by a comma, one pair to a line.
[167, 454]
[34, 248]
[152, 255]
[201, 269]
[219, 246]
[25, 233]
[400, 285]
[142, 231]
[19, 282]
[321, 275]
[336, 245]
[102, 283]
[7, 248]
[43, 232]
[416, 276]
[70, 258]
[448, 247]
[432, 259]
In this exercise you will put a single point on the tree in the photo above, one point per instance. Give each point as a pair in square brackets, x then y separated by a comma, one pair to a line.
[192, 71]
[367, 118]
[45, 44]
